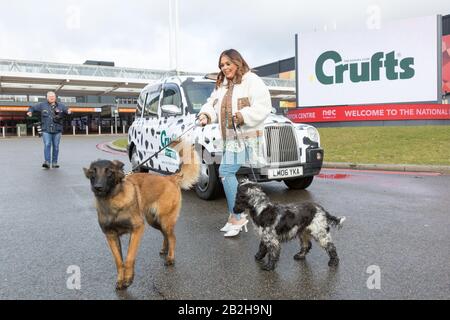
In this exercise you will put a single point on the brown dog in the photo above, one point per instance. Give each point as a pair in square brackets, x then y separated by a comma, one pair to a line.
[123, 202]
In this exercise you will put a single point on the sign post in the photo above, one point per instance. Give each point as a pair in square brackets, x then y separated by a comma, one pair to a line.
[115, 113]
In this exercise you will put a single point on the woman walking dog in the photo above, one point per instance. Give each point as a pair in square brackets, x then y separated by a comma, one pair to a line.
[240, 98]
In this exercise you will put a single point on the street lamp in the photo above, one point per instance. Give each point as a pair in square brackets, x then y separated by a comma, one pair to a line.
[173, 31]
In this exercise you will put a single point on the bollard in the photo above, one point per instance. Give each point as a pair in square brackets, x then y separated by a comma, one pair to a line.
[73, 130]
[123, 129]
[3, 131]
[112, 129]
[32, 129]
[87, 130]
[100, 130]
[18, 131]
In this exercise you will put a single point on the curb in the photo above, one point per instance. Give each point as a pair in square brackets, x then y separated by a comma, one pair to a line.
[113, 147]
[388, 167]
[360, 166]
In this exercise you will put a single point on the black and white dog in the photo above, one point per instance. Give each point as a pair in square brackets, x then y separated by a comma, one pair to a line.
[276, 223]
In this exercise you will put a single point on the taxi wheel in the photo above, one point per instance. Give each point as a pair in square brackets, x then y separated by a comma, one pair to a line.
[208, 186]
[299, 183]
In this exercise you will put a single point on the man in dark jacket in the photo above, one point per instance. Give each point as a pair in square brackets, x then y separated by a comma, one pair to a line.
[52, 114]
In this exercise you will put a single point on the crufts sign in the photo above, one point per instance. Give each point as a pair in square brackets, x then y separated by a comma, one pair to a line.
[397, 63]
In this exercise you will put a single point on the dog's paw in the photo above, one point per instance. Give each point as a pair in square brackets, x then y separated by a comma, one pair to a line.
[300, 256]
[259, 257]
[333, 262]
[169, 262]
[163, 252]
[268, 267]
[120, 285]
[128, 282]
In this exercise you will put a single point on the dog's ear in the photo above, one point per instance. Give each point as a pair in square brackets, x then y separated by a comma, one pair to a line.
[119, 176]
[88, 173]
[118, 164]
[118, 172]
[242, 180]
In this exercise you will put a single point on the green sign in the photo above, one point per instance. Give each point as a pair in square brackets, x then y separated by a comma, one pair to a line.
[165, 141]
[363, 70]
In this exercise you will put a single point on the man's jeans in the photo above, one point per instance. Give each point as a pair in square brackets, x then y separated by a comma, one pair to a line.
[51, 140]
[230, 164]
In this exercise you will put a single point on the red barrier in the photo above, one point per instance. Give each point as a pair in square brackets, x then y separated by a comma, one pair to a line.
[372, 113]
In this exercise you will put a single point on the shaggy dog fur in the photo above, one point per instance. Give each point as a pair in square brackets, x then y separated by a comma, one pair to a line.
[124, 203]
[276, 223]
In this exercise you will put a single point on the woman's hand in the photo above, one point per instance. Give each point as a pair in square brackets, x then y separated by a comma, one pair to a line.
[238, 119]
[203, 120]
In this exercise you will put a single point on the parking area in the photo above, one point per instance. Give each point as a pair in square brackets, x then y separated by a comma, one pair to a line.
[397, 228]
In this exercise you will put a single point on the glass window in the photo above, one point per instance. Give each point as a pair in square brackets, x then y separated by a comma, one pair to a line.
[68, 99]
[149, 96]
[197, 93]
[171, 96]
[140, 103]
[151, 108]
[127, 100]
[20, 98]
[5, 97]
[37, 98]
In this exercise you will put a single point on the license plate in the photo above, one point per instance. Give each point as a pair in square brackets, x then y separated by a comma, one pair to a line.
[281, 173]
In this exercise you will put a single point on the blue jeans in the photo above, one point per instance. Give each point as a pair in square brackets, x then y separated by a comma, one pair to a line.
[230, 164]
[51, 140]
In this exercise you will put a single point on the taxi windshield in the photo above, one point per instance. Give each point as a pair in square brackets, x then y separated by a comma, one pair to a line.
[197, 93]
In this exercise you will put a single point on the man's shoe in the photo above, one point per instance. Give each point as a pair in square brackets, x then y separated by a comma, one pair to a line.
[55, 165]
[46, 165]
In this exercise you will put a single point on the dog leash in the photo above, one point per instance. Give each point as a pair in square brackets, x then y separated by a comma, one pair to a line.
[170, 142]
[245, 146]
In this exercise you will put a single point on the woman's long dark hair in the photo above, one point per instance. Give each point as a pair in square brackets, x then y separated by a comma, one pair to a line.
[236, 58]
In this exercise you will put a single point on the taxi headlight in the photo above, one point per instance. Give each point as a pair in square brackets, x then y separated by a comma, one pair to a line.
[313, 134]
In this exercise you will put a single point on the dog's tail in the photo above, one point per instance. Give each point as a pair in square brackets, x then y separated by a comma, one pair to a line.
[335, 221]
[190, 165]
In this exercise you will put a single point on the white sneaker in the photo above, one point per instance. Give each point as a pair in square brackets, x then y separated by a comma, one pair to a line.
[235, 229]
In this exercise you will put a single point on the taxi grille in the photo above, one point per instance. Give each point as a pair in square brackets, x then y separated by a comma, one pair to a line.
[281, 145]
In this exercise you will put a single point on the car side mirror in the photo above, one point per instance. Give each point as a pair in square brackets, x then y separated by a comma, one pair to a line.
[171, 109]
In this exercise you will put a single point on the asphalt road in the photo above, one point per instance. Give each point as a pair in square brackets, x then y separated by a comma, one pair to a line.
[398, 223]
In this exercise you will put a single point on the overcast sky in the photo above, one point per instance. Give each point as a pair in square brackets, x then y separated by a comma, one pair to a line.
[136, 33]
